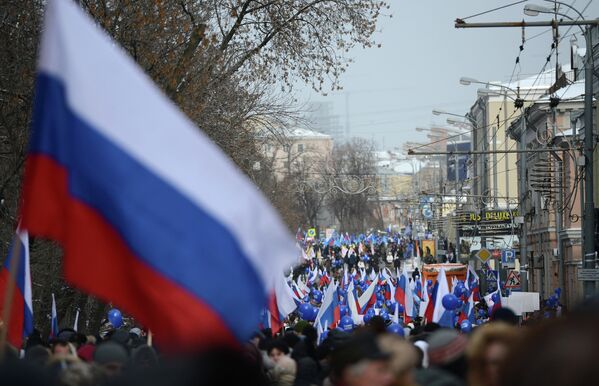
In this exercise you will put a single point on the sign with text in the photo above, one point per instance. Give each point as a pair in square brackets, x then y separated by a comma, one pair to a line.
[588, 274]
[488, 223]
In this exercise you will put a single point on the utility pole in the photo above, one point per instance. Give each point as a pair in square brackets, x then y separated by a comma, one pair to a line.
[523, 196]
[588, 223]
[506, 157]
[495, 189]
[457, 231]
[589, 258]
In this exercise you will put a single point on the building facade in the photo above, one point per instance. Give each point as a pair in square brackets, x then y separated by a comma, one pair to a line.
[550, 191]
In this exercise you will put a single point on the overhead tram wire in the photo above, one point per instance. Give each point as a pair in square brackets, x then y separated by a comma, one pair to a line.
[493, 10]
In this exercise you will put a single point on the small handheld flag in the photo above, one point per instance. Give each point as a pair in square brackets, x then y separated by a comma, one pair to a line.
[54, 319]
[16, 308]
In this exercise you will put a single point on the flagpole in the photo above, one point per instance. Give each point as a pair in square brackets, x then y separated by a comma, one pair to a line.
[8, 297]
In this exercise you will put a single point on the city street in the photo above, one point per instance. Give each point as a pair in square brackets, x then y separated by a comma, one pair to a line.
[299, 192]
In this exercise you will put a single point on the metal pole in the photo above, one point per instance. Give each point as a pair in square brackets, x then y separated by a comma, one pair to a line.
[457, 233]
[544, 150]
[523, 196]
[589, 143]
[494, 170]
[507, 179]
[519, 24]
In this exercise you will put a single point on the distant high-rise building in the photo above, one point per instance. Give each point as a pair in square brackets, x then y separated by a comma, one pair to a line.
[322, 119]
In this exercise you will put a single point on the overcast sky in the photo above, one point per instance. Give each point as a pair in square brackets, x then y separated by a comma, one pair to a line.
[393, 89]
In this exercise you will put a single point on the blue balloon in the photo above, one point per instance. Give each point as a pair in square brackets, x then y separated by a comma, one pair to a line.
[379, 296]
[465, 292]
[457, 290]
[460, 303]
[346, 324]
[384, 314]
[378, 304]
[369, 314]
[450, 302]
[395, 328]
[377, 288]
[343, 310]
[389, 305]
[400, 308]
[312, 316]
[115, 318]
[306, 298]
[558, 292]
[305, 311]
[429, 282]
[317, 295]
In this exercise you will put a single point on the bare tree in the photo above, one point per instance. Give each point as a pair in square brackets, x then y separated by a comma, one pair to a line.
[219, 61]
[308, 181]
[353, 196]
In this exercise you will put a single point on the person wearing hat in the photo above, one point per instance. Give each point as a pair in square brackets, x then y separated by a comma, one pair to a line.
[447, 360]
[360, 362]
[111, 356]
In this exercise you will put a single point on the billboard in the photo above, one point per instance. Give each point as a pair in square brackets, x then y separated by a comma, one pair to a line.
[462, 161]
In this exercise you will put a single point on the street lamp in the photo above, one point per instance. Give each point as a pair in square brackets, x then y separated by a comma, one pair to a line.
[460, 124]
[534, 10]
[440, 130]
[467, 81]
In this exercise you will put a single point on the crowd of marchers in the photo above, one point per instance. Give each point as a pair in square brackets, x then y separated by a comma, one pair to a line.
[556, 351]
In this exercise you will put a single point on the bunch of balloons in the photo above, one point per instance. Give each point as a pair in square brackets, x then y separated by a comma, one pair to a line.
[369, 314]
[307, 312]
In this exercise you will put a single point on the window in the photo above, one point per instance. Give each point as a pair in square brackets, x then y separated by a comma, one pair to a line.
[300, 148]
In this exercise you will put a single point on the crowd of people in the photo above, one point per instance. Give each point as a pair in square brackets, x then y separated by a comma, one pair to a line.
[558, 351]
[375, 343]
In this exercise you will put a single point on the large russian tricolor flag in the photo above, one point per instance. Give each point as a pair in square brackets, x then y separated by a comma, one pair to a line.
[20, 320]
[148, 210]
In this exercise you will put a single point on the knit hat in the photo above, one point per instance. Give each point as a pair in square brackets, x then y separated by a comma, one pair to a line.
[110, 352]
[362, 346]
[445, 346]
[135, 331]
